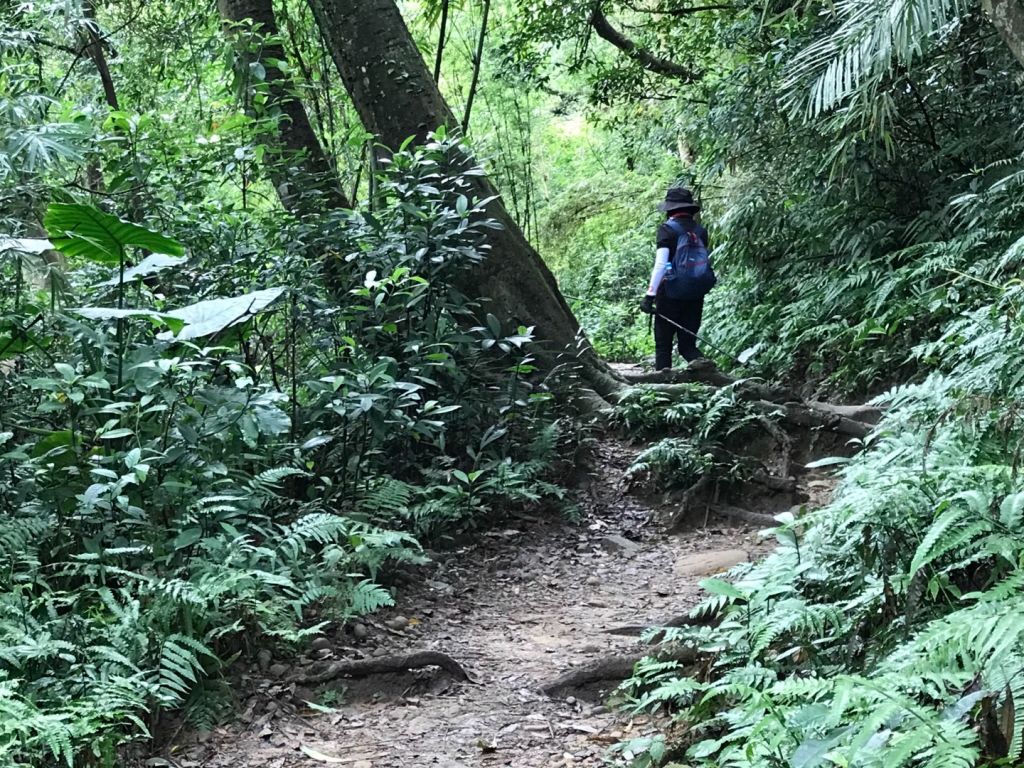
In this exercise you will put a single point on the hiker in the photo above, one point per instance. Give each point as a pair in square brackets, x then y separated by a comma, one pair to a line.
[682, 275]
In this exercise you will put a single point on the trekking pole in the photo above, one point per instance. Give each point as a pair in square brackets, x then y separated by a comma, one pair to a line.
[702, 340]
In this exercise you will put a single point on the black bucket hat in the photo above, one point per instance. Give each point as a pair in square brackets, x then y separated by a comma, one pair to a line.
[679, 199]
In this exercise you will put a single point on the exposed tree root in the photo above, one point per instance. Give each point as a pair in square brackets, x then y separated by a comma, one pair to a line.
[784, 441]
[385, 664]
[748, 516]
[710, 376]
[775, 483]
[689, 498]
[705, 372]
[856, 421]
[686, 620]
[868, 414]
[802, 415]
[592, 404]
[613, 668]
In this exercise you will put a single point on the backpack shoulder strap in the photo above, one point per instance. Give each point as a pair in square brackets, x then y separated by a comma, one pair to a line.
[677, 226]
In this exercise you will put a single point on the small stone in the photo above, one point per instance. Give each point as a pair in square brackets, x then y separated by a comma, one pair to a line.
[440, 586]
[360, 632]
[397, 623]
[362, 764]
[324, 653]
[708, 563]
[615, 543]
[597, 604]
[590, 649]
[570, 700]
[263, 659]
[594, 581]
[321, 643]
[278, 670]
[378, 652]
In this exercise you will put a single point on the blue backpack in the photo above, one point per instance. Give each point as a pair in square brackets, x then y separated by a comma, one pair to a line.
[690, 275]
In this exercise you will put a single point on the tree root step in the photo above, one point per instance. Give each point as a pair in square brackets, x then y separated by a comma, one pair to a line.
[385, 664]
[613, 668]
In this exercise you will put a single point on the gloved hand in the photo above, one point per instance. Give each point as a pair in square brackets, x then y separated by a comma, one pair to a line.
[647, 305]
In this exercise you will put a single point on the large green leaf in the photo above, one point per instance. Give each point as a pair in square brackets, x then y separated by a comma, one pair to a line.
[203, 318]
[113, 313]
[33, 245]
[214, 315]
[81, 230]
[150, 265]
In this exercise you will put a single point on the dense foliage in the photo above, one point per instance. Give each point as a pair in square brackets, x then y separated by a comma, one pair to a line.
[860, 165]
[231, 401]
[885, 629]
[181, 477]
[845, 212]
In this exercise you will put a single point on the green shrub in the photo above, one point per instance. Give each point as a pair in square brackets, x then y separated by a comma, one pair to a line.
[181, 477]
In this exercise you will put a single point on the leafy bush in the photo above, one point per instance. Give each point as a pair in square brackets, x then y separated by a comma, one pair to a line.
[178, 477]
[704, 424]
[886, 628]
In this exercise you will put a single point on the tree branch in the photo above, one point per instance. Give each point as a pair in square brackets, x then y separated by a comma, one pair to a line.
[680, 11]
[649, 61]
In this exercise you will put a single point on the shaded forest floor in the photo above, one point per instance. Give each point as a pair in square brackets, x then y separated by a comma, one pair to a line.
[520, 607]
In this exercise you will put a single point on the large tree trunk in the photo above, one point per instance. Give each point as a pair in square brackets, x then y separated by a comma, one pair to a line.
[1008, 18]
[303, 177]
[396, 99]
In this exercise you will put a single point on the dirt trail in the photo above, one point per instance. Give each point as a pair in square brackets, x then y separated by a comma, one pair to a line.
[524, 605]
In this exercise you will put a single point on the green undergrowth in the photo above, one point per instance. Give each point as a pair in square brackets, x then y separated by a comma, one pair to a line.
[886, 629]
[217, 443]
[693, 431]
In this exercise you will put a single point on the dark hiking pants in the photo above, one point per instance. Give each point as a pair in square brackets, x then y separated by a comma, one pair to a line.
[684, 313]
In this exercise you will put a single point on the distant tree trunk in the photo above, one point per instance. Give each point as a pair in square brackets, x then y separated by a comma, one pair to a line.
[442, 33]
[478, 62]
[1008, 18]
[396, 99]
[301, 174]
[94, 47]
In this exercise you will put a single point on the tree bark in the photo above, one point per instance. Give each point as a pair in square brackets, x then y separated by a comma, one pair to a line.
[1008, 18]
[397, 99]
[94, 46]
[300, 166]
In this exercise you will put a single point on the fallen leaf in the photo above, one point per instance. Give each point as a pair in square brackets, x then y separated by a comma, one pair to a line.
[320, 756]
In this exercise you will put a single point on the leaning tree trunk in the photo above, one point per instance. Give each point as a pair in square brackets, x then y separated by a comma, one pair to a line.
[396, 99]
[1008, 18]
[299, 170]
